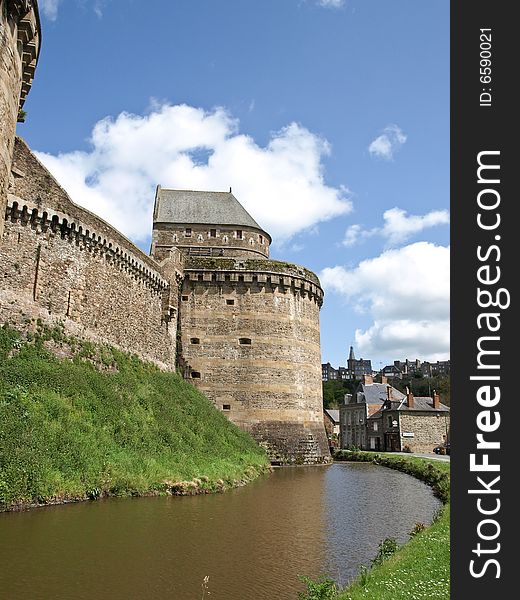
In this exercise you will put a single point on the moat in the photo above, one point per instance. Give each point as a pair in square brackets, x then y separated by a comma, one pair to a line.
[252, 542]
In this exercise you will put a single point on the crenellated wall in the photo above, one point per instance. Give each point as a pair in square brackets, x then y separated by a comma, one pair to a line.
[61, 263]
[19, 49]
[250, 334]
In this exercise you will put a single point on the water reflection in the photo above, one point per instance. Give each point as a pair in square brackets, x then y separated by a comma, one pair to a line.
[253, 542]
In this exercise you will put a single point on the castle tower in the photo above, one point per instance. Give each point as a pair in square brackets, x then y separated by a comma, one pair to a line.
[249, 326]
[19, 48]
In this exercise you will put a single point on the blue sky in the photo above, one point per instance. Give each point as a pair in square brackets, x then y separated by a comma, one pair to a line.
[329, 119]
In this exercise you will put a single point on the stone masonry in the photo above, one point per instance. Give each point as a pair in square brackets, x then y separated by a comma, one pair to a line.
[19, 49]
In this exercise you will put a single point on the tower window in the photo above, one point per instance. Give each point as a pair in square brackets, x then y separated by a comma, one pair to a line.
[226, 407]
[213, 233]
[230, 301]
[187, 232]
[261, 239]
[194, 341]
[240, 235]
[244, 341]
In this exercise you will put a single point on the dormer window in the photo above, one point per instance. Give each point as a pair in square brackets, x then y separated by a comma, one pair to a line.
[187, 232]
[212, 233]
[240, 234]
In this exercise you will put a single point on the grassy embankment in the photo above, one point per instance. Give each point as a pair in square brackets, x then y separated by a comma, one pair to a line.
[421, 568]
[99, 422]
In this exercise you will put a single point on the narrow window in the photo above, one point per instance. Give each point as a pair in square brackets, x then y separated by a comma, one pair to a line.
[230, 302]
[226, 407]
[195, 341]
[245, 341]
[195, 375]
[239, 234]
[184, 298]
[261, 239]
[187, 232]
[389, 421]
[213, 233]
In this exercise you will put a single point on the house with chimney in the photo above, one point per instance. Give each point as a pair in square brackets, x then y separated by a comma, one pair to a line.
[379, 417]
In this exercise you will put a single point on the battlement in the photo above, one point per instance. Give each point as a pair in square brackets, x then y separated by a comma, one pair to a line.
[58, 224]
[278, 275]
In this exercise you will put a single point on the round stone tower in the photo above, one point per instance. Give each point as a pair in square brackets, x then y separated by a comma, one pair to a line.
[249, 326]
[19, 49]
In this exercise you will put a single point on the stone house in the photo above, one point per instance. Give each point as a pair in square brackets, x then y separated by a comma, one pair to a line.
[415, 424]
[379, 417]
[359, 415]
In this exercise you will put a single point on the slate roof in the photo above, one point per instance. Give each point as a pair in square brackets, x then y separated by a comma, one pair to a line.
[423, 403]
[199, 207]
[376, 393]
[333, 414]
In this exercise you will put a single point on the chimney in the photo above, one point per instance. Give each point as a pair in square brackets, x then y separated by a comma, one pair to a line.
[368, 379]
[436, 400]
[409, 398]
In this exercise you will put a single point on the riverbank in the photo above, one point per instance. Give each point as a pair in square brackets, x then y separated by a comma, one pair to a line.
[80, 421]
[420, 568]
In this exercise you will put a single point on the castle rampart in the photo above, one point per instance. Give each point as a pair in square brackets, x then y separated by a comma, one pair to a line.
[19, 49]
[61, 263]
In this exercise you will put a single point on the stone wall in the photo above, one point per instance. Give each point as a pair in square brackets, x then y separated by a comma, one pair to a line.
[19, 48]
[61, 263]
[429, 430]
[251, 339]
[209, 240]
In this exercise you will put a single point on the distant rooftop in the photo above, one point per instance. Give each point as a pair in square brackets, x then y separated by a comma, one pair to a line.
[198, 207]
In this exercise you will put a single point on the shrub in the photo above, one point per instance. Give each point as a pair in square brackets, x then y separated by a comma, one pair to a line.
[321, 589]
[386, 548]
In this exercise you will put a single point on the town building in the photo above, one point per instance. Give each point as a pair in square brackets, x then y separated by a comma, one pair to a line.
[380, 417]
[357, 367]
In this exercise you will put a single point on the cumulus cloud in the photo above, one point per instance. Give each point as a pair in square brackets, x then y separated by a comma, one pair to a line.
[388, 143]
[50, 8]
[281, 185]
[406, 293]
[331, 3]
[398, 226]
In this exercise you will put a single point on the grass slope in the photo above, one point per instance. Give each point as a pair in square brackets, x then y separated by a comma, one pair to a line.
[100, 422]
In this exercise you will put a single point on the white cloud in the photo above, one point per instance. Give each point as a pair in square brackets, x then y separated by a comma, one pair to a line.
[331, 3]
[50, 8]
[282, 185]
[387, 144]
[406, 293]
[398, 226]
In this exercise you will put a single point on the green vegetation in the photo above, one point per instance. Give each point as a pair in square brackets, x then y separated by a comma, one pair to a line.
[100, 422]
[334, 391]
[420, 568]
